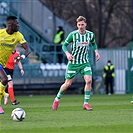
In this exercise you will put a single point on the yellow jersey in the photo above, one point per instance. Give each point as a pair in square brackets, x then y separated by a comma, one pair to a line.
[8, 43]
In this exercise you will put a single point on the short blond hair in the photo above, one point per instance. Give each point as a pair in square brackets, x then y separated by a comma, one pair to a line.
[81, 18]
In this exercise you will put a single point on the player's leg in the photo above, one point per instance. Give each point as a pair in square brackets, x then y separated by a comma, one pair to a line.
[10, 87]
[4, 80]
[70, 73]
[62, 90]
[6, 95]
[11, 93]
[87, 74]
[87, 92]
[1, 95]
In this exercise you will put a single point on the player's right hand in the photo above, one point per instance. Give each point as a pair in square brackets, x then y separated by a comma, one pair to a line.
[69, 56]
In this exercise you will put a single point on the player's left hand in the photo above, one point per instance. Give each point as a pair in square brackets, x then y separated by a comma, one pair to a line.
[22, 72]
[97, 55]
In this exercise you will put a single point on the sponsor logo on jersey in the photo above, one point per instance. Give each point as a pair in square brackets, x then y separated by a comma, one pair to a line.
[82, 43]
[7, 45]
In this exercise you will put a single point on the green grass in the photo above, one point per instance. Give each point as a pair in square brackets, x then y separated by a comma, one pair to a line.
[111, 114]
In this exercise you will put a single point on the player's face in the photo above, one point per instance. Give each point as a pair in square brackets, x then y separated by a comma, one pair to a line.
[15, 25]
[81, 26]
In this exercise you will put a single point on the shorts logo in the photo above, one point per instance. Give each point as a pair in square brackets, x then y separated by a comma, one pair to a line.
[9, 77]
[71, 71]
[87, 69]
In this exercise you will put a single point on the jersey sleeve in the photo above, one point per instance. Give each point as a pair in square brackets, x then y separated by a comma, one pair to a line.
[67, 42]
[93, 42]
[21, 38]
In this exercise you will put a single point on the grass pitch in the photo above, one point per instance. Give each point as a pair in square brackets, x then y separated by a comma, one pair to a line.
[111, 114]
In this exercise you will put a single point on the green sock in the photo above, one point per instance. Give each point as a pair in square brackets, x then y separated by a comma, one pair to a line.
[60, 93]
[86, 96]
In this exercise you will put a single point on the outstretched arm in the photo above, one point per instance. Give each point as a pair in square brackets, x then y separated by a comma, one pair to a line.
[20, 67]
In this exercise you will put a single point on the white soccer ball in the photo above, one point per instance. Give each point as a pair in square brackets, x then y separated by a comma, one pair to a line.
[18, 114]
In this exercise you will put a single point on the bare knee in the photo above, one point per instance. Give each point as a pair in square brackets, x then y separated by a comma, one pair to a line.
[89, 82]
[3, 77]
[67, 83]
[4, 81]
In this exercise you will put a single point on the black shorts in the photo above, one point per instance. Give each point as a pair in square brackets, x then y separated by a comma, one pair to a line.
[9, 73]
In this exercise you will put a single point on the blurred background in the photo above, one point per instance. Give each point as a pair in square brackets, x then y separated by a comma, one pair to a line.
[111, 22]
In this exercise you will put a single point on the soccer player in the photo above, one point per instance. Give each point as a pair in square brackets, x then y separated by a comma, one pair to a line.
[78, 61]
[9, 69]
[9, 37]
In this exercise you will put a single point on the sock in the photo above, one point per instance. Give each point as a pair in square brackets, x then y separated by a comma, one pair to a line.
[2, 88]
[60, 93]
[1, 94]
[11, 94]
[4, 92]
[86, 97]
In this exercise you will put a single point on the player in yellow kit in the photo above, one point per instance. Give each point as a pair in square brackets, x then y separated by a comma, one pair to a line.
[9, 37]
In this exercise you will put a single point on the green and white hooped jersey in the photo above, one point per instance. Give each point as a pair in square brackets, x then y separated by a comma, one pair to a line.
[80, 45]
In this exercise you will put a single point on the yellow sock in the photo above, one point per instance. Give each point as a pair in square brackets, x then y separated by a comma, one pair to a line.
[2, 86]
[2, 91]
[1, 94]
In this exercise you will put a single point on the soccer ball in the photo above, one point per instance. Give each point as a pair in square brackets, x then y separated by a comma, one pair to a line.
[18, 114]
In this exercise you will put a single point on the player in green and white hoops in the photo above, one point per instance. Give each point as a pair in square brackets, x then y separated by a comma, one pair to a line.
[78, 61]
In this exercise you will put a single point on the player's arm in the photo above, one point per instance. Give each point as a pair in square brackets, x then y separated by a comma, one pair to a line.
[20, 67]
[26, 52]
[26, 47]
[94, 47]
[93, 42]
[65, 49]
[24, 44]
[97, 55]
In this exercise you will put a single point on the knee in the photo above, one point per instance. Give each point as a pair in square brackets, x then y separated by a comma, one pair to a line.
[68, 84]
[4, 81]
[89, 82]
